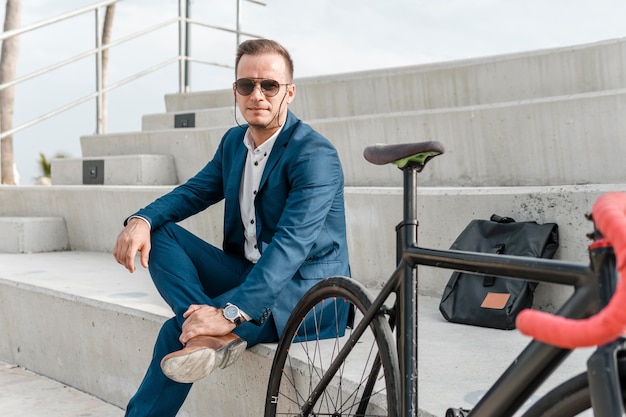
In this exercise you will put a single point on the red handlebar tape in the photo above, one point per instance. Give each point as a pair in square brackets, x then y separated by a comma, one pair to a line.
[609, 215]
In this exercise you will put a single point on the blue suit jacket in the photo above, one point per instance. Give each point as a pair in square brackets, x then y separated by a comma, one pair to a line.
[301, 228]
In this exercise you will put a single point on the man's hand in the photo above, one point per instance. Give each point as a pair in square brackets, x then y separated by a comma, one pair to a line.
[203, 320]
[134, 237]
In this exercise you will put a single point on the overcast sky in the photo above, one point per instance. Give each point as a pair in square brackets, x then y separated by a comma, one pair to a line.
[324, 37]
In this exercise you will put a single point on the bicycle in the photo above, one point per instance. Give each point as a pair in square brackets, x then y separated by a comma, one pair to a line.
[368, 372]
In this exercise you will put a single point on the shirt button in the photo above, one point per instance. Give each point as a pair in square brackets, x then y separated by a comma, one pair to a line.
[256, 163]
[254, 192]
[252, 221]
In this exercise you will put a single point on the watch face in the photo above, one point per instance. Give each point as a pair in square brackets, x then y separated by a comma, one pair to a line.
[231, 313]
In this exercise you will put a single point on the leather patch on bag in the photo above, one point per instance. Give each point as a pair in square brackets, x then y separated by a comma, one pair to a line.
[495, 301]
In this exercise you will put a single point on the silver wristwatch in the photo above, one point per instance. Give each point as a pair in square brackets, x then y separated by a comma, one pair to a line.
[231, 313]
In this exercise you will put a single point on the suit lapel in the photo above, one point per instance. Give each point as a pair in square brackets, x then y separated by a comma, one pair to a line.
[279, 147]
[232, 185]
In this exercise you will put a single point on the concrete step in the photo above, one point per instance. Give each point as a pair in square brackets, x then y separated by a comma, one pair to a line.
[190, 148]
[97, 214]
[32, 234]
[211, 117]
[115, 317]
[115, 170]
[114, 320]
[485, 80]
[553, 141]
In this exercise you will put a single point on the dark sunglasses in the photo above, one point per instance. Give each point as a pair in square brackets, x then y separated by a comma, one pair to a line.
[245, 86]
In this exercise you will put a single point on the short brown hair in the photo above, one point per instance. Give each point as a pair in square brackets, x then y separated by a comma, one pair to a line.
[264, 46]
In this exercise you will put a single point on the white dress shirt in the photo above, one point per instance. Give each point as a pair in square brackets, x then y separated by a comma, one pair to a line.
[251, 178]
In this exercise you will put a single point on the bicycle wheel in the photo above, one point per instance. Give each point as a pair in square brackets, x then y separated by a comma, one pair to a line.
[359, 387]
[571, 398]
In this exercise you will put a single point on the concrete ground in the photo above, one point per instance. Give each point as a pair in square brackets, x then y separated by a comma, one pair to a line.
[26, 394]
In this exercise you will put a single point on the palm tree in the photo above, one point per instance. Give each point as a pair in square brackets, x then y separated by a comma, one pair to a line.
[106, 38]
[8, 69]
[44, 165]
[46, 170]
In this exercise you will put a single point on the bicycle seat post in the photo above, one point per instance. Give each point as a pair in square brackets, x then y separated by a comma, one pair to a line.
[407, 229]
[406, 315]
[411, 159]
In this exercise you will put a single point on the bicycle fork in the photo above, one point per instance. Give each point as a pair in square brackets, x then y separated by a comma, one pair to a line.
[604, 380]
[602, 367]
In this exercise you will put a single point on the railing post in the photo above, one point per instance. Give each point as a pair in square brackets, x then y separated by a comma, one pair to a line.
[99, 127]
[187, 46]
[238, 40]
[183, 46]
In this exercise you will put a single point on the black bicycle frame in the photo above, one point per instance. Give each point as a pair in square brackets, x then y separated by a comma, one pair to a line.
[593, 286]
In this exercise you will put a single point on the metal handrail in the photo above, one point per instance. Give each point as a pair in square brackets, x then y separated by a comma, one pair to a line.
[207, 25]
[182, 58]
[48, 22]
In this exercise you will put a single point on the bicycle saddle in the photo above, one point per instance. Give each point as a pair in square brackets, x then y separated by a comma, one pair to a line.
[403, 154]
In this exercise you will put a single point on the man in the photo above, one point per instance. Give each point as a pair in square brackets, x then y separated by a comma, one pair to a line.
[284, 229]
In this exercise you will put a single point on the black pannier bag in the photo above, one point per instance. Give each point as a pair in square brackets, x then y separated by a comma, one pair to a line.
[490, 301]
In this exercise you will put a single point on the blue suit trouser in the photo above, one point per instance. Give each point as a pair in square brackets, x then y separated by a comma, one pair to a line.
[187, 270]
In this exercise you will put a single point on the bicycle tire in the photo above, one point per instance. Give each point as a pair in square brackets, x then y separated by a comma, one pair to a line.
[298, 366]
[571, 398]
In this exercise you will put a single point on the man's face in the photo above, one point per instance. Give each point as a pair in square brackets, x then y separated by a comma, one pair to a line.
[259, 110]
